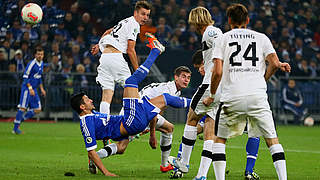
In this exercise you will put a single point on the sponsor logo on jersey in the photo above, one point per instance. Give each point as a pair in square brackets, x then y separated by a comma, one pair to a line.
[212, 33]
[89, 140]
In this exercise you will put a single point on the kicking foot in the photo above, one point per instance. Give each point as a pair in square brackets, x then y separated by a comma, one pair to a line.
[251, 176]
[166, 168]
[178, 164]
[154, 43]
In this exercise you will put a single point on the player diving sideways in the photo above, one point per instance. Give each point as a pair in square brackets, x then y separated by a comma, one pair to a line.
[138, 113]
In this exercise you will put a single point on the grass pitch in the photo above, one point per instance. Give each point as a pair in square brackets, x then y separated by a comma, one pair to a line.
[49, 150]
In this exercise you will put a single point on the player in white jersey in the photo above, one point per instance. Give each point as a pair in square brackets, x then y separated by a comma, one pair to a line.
[119, 40]
[240, 63]
[202, 20]
[182, 75]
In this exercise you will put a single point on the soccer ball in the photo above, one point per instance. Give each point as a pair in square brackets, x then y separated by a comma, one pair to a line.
[309, 121]
[31, 13]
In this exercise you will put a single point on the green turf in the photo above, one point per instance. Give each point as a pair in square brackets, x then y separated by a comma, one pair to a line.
[47, 151]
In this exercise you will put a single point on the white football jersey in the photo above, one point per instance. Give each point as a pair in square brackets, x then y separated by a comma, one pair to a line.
[243, 52]
[156, 89]
[208, 44]
[127, 29]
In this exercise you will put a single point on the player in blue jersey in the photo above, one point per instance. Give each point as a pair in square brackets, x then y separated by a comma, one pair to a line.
[138, 114]
[29, 98]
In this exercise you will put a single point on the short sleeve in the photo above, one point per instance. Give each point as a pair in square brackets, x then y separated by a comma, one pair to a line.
[217, 51]
[267, 47]
[88, 132]
[133, 30]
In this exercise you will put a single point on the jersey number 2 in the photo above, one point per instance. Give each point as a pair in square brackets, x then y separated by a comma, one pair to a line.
[253, 58]
[115, 30]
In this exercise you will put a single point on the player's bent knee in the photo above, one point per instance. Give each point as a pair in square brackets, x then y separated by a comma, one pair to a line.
[271, 141]
[37, 111]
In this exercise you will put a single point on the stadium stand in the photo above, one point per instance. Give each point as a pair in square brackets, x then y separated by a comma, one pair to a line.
[70, 28]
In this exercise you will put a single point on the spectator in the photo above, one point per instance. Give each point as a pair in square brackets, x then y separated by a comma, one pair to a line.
[19, 61]
[26, 51]
[85, 22]
[304, 70]
[3, 62]
[293, 101]
[7, 50]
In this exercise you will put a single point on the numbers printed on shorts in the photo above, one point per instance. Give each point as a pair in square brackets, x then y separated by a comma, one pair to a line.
[251, 47]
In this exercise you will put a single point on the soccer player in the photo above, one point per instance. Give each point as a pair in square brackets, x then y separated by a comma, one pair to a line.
[138, 113]
[29, 98]
[182, 75]
[240, 63]
[120, 39]
[202, 20]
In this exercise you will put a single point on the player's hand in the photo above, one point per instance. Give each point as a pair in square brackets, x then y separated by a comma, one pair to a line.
[144, 132]
[43, 92]
[95, 49]
[110, 174]
[207, 101]
[31, 91]
[285, 67]
[153, 141]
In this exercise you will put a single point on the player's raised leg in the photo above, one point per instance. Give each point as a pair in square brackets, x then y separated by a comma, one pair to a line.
[132, 82]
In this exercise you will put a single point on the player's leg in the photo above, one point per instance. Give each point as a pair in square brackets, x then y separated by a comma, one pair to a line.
[166, 129]
[35, 106]
[263, 125]
[106, 99]
[207, 151]
[22, 107]
[131, 84]
[278, 157]
[252, 148]
[219, 158]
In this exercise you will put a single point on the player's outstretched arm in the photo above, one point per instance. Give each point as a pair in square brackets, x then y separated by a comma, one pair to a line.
[97, 161]
[153, 139]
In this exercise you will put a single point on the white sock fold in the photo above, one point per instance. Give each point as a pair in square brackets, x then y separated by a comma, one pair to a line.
[165, 143]
[190, 133]
[104, 107]
[276, 151]
[206, 158]
[220, 165]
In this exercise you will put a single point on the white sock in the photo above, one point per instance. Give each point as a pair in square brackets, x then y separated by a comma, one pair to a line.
[104, 107]
[219, 160]
[188, 140]
[165, 145]
[279, 161]
[206, 158]
[107, 151]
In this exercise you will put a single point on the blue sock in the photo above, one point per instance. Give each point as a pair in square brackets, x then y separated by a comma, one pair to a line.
[29, 115]
[143, 70]
[252, 152]
[180, 151]
[176, 102]
[17, 121]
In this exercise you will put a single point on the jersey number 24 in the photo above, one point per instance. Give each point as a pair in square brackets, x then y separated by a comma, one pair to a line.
[251, 47]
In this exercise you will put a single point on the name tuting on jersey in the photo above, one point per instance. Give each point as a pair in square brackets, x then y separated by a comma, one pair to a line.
[242, 36]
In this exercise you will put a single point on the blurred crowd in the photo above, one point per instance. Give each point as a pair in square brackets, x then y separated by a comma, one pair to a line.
[70, 28]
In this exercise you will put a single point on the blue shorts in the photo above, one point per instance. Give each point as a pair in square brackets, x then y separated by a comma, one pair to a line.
[137, 114]
[28, 101]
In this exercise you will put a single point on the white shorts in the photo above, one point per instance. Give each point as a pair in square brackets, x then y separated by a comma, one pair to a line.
[233, 116]
[113, 69]
[197, 101]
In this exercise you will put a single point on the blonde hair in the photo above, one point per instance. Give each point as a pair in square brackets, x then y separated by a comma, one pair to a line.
[200, 17]
[80, 67]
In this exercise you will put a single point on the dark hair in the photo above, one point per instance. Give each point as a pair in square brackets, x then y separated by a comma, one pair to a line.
[238, 14]
[142, 4]
[180, 69]
[76, 100]
[39, 48]
[197, 57]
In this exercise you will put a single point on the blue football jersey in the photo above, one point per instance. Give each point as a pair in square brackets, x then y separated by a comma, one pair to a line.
[33, 74]
[97, 126]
